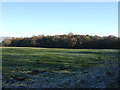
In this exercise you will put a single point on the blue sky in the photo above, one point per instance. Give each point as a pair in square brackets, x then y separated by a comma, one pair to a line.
[25, 19]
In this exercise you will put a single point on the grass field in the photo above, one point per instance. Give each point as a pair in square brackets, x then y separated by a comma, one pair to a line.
[51, 67]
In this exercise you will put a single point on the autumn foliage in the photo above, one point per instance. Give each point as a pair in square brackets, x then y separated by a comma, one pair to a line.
[65, 41]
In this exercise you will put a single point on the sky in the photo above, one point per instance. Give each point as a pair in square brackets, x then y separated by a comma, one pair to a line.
[25, 19]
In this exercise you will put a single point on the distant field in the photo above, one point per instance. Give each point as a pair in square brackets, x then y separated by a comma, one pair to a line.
[41, 66]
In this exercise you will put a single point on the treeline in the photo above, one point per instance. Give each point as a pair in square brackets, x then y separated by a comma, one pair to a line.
[65, 41]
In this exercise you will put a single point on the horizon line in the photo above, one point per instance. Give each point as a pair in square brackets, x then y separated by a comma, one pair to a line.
[60, 34]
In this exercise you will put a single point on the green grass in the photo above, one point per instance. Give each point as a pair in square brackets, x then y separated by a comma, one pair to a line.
[28, 60]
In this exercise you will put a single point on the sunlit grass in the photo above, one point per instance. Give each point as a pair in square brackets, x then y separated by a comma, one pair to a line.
[29, 59]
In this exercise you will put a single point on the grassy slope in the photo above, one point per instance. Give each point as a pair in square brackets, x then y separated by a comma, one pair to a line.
[37, 60]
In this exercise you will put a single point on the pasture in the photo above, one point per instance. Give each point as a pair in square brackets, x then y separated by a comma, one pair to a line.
[28, 67]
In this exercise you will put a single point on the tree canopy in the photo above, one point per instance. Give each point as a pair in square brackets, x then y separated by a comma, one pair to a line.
[65, 41]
